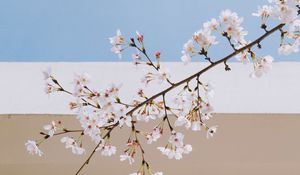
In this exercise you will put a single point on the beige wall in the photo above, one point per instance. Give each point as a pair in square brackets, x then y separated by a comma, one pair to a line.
[246, 144]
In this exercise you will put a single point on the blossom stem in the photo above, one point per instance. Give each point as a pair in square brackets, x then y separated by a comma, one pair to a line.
[248, 46]
[199, 98]
[84, 100]
[94, 150]
[60, 133]
[204, 53]
[124, 104]
[229, 40]
[150, 62]
[166, 114]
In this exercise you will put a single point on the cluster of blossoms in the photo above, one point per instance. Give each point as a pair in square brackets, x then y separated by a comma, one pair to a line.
[192, 109]
[231, 27]
[33, 148]
[107, 150]
[150, 111]
[176, 147]
[287, 12]
[117, 42]
[228, 24]
[263, 66]
[154, 135]
[100, 112]
[161, 76]
[73, 145]
[52, 84]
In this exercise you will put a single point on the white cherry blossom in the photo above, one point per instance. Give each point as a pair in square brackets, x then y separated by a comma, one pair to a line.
[294, 30]
[51, 128]
[150, 111]
[243, 57]
[72, 144]
[125, 120]
[188, 47]
[160, 76]
[182, 120]
[186, 58]
[188, 50]
[176, 139]
[263, 12]
[187, 149]
[263, 67]
[285, 12]
[231, 25]
[163, 75]
[204, 39]
[154, 135]
[50, 88]
[117, 41]
[33, 148]
[80, 81]
[286, 49]
[128, 157]
[196, 125]
[205, 109]
[108, 150]
[211, 25]
[166, 151]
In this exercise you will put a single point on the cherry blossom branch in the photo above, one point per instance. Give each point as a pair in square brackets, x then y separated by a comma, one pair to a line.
[193, 109]
[223, 60]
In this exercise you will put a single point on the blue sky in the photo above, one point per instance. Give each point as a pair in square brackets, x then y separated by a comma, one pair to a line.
[78, 30]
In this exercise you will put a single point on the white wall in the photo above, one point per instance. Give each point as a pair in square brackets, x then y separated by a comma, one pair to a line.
[22, 86]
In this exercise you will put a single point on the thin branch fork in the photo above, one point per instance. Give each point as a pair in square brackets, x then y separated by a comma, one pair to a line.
[150, 61]
[93, 152]
[223, 60]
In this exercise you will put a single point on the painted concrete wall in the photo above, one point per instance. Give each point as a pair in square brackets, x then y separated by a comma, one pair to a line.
[22, 86]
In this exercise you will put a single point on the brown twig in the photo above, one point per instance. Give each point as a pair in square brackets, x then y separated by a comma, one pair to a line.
[150, 62]
[46, 136]
[84, 100]
[166, 114]
[198, 98]
[94, 150]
